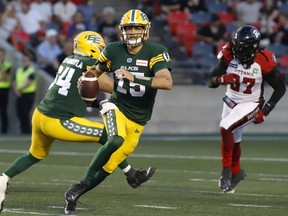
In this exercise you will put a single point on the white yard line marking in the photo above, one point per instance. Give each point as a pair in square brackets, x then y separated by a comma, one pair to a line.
[18, 211]
[186, 157]
[157, 207]
[274, 179]
[203, 180]
[246, 205]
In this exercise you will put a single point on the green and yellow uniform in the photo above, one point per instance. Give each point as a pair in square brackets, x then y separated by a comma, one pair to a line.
[60, 114]
[134, 101]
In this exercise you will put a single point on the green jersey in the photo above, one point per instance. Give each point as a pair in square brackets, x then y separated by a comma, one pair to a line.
[136, 101]
[62, 99]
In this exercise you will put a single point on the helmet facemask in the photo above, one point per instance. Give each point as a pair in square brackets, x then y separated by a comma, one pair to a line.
[133, 39]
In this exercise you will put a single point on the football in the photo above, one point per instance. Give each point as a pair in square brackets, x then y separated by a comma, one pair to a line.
[89, 88]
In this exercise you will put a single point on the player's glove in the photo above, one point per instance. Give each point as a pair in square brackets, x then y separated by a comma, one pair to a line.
[262, 113]
[259, 117]
[226, 79]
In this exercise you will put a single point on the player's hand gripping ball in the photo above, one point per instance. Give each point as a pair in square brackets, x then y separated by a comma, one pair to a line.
[88, 87]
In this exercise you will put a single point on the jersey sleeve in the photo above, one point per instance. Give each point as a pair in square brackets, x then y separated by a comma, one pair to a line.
[160, 59]
[225, 54]
[267, 60]
[104, 60]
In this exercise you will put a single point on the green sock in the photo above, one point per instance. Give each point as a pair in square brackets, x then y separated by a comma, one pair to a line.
[95, 180]
[104, 153]
[21, 164]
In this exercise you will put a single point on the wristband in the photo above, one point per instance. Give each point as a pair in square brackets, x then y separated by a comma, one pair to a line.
[268, 108]
[146, 81]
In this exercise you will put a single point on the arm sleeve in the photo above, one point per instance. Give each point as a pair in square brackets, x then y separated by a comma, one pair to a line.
[218, 71]
[276, 80]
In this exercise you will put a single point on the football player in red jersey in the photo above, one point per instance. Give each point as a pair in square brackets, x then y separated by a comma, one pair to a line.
[243, 67]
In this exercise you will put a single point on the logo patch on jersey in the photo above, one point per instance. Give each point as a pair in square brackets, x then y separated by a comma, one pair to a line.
[141, 62]
[255, 71]
[232, 65]
[129, 60]
[166, 57]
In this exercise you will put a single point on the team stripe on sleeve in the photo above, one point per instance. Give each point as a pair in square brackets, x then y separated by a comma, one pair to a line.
[156, 59]
[102, 58]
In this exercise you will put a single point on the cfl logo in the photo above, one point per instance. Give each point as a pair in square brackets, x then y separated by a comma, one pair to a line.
[94, 39]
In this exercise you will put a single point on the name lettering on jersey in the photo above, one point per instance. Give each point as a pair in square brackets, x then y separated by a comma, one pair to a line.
[130, 68]
[75, 62]
[142, 62]
[248, 73]
[252, 115]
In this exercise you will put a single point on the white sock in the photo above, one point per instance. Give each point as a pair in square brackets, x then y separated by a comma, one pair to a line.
[126, 169]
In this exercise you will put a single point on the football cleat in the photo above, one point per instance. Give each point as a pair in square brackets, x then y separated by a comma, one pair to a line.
[225, 179]
[3, 189]
[236, 178]
[140, 176]
[72, 195]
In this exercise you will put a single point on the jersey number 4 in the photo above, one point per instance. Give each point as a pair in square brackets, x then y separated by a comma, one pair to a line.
[63, 79]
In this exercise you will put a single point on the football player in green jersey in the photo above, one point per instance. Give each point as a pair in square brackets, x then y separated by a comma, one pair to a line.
[60, 114]
[139, 69]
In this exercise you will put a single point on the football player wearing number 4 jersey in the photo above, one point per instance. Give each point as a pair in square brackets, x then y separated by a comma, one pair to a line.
[243, 66]
[60, 115]
[139, 69]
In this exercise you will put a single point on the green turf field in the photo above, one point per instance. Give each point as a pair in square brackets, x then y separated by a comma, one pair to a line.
[185, 183]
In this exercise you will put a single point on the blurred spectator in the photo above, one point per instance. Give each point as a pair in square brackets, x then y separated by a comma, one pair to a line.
[8, 21]
[268, 17]
[2, 7]
[248, 11]
[77, 25]
[63, 12]
[108, 26]
[44, 7]
[19, 38]
[213, 32]
[5, 84]
[167, 6]
[281, 36]
[147, 6]
[66, 51]
[47, 52]
[31, 20]
[195, 6]
[89, 11]
[25, 85]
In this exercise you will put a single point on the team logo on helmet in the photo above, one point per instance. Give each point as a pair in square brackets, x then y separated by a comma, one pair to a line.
[88, 43]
